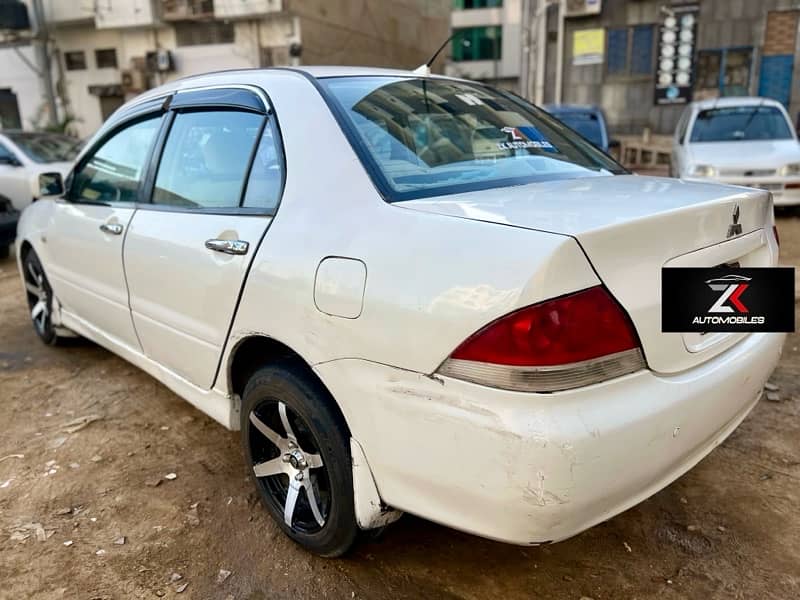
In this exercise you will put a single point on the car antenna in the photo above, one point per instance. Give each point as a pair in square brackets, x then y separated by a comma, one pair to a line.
[425, 68]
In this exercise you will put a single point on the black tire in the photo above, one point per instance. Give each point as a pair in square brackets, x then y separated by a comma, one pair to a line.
[319, 435]
[39, 299]
[5, 251]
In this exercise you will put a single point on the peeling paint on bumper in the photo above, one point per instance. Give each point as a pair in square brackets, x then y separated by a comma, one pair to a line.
[532, 468]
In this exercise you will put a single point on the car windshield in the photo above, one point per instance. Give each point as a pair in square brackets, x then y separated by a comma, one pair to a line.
[740, 123]
[46, 147]
[429, 137]
[586, 123]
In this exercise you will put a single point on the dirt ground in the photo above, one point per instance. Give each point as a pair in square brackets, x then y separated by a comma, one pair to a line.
[728, 529]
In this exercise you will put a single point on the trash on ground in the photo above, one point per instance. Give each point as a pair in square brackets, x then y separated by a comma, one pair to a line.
[171, 476]
[223, 575]
[77, 424]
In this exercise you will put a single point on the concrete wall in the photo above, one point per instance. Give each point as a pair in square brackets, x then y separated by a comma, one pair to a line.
[400, 33]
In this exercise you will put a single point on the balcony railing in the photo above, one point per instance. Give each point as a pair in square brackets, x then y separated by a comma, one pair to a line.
[180, 10]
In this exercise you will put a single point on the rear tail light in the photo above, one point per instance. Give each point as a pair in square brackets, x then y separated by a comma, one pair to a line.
[560, 344]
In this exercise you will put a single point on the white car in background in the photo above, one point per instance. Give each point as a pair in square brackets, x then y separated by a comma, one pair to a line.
[33, 163]
[739, 141]
[397, 313]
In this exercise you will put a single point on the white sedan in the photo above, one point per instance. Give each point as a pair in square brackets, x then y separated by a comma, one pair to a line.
[740, 141]
[410, 293]
[32, 164]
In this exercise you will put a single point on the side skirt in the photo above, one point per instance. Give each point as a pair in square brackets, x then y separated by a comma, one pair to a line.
[216, 405]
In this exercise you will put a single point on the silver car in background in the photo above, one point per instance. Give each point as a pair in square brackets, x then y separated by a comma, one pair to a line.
[740, 141]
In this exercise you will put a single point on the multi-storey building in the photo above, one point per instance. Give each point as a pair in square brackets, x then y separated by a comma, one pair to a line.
[486, 41]
[105, 51]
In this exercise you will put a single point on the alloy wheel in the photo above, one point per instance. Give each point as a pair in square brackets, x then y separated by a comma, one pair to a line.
[38, 292]
[289, 467]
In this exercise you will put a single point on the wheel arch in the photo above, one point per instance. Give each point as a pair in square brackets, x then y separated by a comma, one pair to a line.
[252, 352]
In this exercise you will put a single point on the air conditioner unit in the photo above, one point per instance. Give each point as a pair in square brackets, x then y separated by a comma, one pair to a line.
[14, 15]
[132, 81]
[582, 8]
[160, 61]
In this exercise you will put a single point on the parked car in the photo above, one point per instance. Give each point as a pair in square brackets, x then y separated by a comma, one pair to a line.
[319, 258]
[741, 141]
[30, 163]
[587, 120]
[8, 226]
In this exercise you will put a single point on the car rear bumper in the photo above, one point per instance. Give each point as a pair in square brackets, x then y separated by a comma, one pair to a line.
[534, 468]
[8, 228]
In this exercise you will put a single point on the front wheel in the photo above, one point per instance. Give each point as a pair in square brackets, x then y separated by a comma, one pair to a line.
[297, 449]
[40, 298]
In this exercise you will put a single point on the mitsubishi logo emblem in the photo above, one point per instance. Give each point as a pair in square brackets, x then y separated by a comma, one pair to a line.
[735, 228]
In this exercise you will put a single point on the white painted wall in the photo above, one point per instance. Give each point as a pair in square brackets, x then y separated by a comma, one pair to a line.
[20, 79]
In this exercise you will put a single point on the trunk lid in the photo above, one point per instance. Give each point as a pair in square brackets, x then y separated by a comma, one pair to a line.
[630, 227]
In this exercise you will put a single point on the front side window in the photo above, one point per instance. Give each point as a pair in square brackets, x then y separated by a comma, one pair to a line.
[740, 123]
[427, 137]
[113, 173]
[6, 156]
[205, 159]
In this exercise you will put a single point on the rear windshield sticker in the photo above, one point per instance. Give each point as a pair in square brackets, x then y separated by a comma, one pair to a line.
[520, 138]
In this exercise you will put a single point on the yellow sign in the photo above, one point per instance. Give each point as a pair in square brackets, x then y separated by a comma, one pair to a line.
[588, 46]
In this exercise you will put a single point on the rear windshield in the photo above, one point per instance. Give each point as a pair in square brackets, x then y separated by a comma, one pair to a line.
[740, 123]
[45, 147]
[588, 124]
[429, 137]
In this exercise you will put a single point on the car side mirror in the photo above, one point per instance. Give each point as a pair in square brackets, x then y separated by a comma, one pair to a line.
[51, 184]
[10, 160]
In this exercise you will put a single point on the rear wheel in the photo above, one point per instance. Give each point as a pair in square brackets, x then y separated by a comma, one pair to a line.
[40, 298]
[297, 449]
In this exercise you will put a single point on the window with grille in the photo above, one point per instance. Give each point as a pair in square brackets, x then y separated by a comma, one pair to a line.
[630, 50]
[105, 58]
[195, 33]
[75, 60]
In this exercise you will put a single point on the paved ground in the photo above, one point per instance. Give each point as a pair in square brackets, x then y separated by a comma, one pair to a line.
[728, 529]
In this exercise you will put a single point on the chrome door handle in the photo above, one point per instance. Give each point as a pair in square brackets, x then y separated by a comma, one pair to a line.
[228, 246]
[112, 228]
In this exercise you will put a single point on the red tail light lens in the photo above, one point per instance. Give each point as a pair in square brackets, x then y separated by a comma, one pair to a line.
[569, 329]
[567, 342]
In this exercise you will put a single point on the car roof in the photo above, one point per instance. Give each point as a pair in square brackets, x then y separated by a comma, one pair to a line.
[729, 101]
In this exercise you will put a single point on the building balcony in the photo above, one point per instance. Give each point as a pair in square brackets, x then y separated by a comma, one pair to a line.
[58, 12]
[133, 13]
[239, 9]
[186, 10]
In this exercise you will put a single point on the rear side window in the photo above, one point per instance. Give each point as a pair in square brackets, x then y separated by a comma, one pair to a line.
[266, 175]
[428, 137]
[205, 159]
[113, 173]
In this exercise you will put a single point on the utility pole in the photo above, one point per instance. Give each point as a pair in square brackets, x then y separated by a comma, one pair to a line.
[534, 49]
[40, 43]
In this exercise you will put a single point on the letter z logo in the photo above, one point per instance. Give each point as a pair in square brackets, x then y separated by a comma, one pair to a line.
[732, 288]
